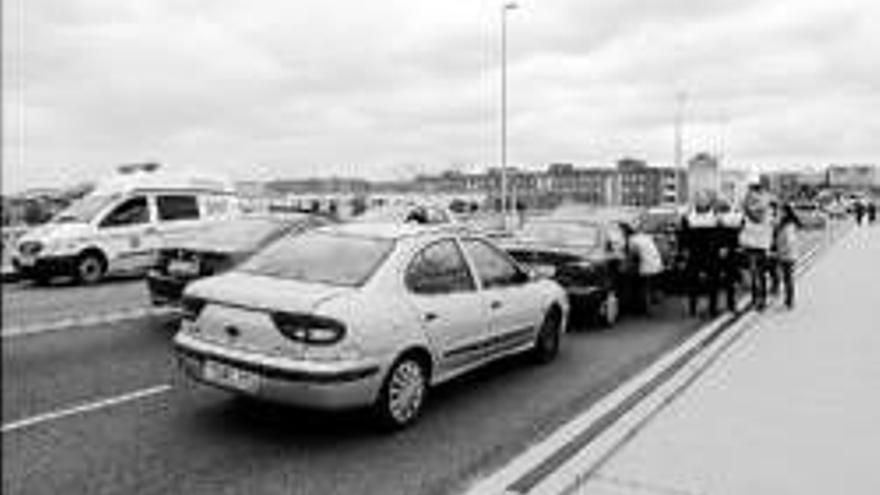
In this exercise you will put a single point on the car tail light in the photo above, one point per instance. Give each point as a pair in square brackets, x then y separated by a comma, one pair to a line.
[309, 329]
[191, 307]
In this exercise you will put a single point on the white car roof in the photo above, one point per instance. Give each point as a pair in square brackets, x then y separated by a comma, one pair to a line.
[391, 230]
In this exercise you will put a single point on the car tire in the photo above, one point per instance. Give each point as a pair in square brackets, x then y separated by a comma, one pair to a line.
[403, 394]
[90, 268]
[548, 339]
[609, 309]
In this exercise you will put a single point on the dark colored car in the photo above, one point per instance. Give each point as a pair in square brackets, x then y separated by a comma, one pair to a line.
[217, 249]
[584, 251]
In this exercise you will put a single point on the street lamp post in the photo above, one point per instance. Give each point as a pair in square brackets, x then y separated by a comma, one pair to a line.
[507, 6]
[680, 99]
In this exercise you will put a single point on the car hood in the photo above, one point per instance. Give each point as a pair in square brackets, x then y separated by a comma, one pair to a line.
[262, 292]
[53, 231]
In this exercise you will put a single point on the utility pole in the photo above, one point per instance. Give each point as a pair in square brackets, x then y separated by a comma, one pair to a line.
[680, 99]
[507, 6]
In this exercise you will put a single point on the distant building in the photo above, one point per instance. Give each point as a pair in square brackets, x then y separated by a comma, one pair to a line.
[856, 177]
[703, 175]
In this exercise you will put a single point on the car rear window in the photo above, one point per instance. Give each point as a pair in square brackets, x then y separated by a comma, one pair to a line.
[321, 257]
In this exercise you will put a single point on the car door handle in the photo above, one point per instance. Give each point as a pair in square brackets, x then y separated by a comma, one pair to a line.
[430, 316]
[495, 304]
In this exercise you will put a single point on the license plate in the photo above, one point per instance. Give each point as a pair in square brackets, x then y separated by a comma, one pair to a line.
[544, 270]
[230, 376]
[182, 267]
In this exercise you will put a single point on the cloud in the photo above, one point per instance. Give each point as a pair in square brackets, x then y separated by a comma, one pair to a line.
[333, 86]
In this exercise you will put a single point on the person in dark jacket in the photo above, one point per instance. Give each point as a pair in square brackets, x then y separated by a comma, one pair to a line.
[785, 238]
[699, 231]
[859, 211]
[872, 212]
[729, 225]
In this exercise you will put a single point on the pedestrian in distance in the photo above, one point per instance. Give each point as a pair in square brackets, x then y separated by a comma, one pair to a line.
[730, 223]
[698, 235]
[771, 266]
[755, 238]
[646, 264]
[872, 212]
[859, 207]
[785, 238]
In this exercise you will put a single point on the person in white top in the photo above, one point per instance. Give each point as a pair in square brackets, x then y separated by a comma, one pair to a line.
[786, 249]
[646, 265]
[756, 237]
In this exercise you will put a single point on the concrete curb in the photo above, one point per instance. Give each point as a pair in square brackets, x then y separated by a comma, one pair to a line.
[575, 450]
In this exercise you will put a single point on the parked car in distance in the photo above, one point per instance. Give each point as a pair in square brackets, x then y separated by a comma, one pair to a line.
[217, 249]
[413, 212]
[365, 315]
[812, 217]
[835, 209]
[583, 250]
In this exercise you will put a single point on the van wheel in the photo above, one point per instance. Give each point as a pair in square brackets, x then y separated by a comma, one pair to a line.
[547, 342]
[90, 268]
[609, 309]
[403, 394]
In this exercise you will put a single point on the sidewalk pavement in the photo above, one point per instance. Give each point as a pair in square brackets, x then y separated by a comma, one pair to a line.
[792, 407]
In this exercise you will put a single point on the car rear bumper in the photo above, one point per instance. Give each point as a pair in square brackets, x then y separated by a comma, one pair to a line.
[45, 266]
[322, 385]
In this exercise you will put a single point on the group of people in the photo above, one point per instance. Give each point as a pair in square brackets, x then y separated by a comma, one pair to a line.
[721, 246]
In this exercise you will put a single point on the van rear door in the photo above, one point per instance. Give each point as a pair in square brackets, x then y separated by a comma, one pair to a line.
[179, 217]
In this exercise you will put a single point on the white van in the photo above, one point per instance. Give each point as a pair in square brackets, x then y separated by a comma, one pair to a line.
[118, 227]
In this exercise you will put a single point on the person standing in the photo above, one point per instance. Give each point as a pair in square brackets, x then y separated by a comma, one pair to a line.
[646, 265]
[755, 239]
[859, 211]
[730, 223]
[771, 266]
[872, 212]
[698, 235]
[786, 244]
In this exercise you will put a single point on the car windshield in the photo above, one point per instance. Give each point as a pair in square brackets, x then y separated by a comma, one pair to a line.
[85, 209]
[321, 257]
[561, 233]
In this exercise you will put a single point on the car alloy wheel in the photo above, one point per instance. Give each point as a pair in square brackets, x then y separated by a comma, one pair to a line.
[609, 310]
[90, 269]
[547, 342]
[404, 393]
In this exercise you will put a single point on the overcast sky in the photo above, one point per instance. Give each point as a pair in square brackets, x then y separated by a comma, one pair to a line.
[384, 88]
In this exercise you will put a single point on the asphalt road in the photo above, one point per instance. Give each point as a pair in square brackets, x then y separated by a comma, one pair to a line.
[26, 304]
[183, 438]
[190, 439]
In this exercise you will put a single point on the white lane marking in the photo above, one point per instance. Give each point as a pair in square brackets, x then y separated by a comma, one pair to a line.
[90, 320]
[83, 408]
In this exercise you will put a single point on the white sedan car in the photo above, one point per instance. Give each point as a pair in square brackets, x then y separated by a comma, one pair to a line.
[366, 315]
